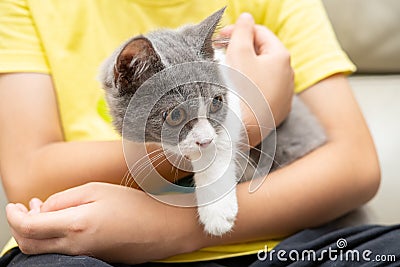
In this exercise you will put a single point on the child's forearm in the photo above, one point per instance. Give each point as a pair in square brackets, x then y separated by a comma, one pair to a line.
[321, 186]
[34, 159]
[334, 179]
[337, 177]
[61, 165]
[304, 194]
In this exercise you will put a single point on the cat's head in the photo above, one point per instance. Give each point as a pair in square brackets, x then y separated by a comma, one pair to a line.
[188, 115]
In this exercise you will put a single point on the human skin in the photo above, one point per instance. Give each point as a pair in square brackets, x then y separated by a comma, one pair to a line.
[337, 177]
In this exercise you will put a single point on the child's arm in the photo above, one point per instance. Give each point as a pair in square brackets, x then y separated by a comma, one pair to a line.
[332, 180]
[34, 159]
[36, 162]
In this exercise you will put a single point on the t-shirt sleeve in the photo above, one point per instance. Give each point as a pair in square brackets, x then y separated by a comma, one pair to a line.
[305, 29]
[20, 47]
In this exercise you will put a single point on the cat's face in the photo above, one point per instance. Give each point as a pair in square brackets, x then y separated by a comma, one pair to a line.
[186, 119]
[189, 118]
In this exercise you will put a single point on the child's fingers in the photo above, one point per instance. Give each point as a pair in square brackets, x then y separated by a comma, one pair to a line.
[226, 31]
[35, 204]
[242, 37]
[72, 197]
[266, 41]
[41, 225]
[20, 206]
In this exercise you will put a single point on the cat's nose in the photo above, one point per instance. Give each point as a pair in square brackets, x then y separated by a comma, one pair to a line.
[204, 143]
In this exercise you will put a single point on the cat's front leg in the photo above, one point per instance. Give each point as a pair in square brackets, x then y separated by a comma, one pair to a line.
[218, 217]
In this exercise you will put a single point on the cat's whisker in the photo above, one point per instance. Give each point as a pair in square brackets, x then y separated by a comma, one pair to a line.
[147, 156]
[141, 70]
[248, 159]
[220, 42]
[142, 167]
[132, 170]
[145, 164]
[252, 163]
[238, 164]
[248, 147]
[127, 178]
[174, 167]
[177, 169]
[158, 150]
[242, 154]
[173, 163]
[124, 178]
[180, 94]
[155, 167]
[259, 150]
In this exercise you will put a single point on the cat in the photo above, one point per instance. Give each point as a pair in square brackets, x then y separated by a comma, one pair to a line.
[198, 120]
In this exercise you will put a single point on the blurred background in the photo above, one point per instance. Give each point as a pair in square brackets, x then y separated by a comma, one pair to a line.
[369, 31]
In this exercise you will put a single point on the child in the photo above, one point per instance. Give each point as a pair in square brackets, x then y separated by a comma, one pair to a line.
[54, 134]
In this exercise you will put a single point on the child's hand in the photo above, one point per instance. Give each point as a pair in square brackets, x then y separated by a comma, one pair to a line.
[110, 222]
[257, 52]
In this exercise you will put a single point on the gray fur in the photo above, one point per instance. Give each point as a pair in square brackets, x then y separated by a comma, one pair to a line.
[187, 44]
[297, 136]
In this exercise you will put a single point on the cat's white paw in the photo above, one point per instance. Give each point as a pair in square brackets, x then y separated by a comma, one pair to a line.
[218, 218]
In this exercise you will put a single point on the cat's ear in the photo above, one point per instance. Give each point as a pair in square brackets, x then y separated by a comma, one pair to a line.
[136, 63]
[206, 29]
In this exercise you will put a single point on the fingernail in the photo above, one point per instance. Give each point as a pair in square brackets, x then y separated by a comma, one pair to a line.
[35, 203]
[246, 16]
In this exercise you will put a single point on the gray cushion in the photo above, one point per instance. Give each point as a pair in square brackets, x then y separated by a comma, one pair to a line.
[369, 31]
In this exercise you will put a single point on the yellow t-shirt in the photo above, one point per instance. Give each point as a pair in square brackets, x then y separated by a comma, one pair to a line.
[69, 40]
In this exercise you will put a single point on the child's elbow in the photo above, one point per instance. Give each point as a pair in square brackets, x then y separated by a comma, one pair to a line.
[373, 183]
[17, 186]
[369, 175]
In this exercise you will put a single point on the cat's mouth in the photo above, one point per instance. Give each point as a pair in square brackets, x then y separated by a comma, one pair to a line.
[199, 151]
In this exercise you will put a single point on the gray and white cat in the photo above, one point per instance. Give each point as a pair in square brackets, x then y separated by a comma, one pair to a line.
[198, 120]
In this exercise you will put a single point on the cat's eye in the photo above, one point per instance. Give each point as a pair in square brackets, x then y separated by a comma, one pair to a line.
[175, 116]
[216, 104]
